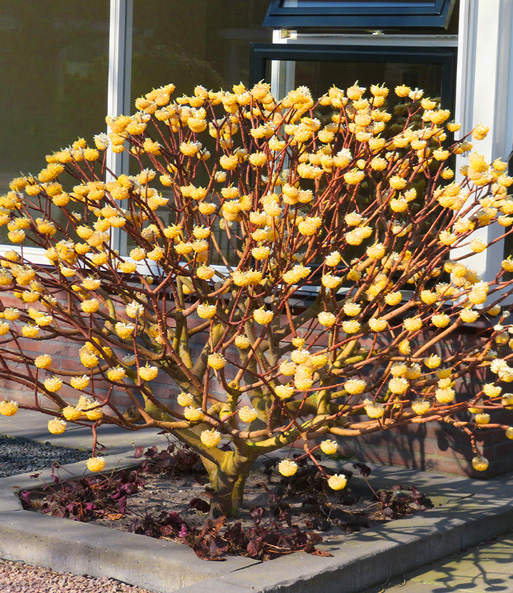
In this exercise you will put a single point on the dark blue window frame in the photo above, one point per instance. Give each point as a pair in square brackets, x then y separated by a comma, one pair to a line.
[366, 14]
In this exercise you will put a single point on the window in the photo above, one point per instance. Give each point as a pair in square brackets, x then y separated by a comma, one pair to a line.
[373, 14]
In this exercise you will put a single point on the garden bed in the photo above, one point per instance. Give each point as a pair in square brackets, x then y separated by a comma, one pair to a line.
[168, 498]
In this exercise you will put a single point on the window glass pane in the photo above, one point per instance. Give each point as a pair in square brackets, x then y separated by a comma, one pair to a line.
[198, 42]
[320, 76]
[195, 42]
[53, 75]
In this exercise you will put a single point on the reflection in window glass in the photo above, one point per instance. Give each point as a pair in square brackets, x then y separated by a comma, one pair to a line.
[198, 42]
[195, 42]
[320, 76]
[53, 75]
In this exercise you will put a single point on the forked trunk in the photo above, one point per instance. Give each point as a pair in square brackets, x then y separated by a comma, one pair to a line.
[227, 480]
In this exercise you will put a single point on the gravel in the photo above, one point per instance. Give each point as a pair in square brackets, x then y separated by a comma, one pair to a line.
[17, 577]
[18, 456]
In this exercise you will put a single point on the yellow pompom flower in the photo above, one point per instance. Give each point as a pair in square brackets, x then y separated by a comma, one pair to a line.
[116, 374]
[80, 383]
[134, 309]
[352, 309]
[354, 177]
[258, 159]
[206, 311]
[242, 342]
[247, 414]
[302, 382]
[91, 283]
[377, 324]
[329, 447]
[216, 361]
[127, 267]
[376, 251]
[284, 391]
[71, 413]
[263, 316]
[210, 438]
[480, 463]
[477, 296]
[148, 372]
[288, 368]
[507, 265]
[287, 467]
[4, 328]
[509, 432]
[355, 386]
[326, 319]
[94, 414]
[205, 273]
[420, 407]
[428, 297]
[469, 315]
[124, 330]
[440, 320]
[477, 245]
[296, 274]
[405, 347]
[337, 481]
[95, 464]
[445, 395]
[330, 281]
[492, 390]
[56, 426]
[53, 385]
[398, 385]
[11, 314]
[16, 236]
[480, 132]
[333, 259]
[8, 408]
[228, 162]
[351, 327]
[393, 298]
[433, 361]
[482, 418]
[30, 331]
[185, 399]
[412, 324]
[374, 410]
[507, 401]
[193, 414]
[260, 253]
[310, 225]
[90, 305]
[43, 361]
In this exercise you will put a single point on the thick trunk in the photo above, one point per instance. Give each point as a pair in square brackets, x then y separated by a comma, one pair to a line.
[227, 480]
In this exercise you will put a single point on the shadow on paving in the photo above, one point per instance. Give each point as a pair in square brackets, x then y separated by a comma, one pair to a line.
[487, 568]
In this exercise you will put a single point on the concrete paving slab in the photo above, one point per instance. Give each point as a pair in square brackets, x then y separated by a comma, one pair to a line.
[111, 438]
[485, 568]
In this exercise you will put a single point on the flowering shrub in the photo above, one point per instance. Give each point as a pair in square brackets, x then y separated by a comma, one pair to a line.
[335, 224]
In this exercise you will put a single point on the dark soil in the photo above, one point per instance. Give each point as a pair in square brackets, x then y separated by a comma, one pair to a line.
[168, 498]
